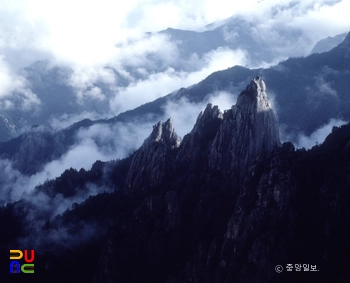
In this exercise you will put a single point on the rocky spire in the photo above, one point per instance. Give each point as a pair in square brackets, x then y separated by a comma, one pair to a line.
[151, 162]
[165, 133]
[202, 134]
[248, 129]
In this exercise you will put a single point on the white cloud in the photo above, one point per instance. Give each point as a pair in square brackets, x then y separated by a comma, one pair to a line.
[66, 120]
[104, 142]
[319, 135]
[14, 90]
[325, 87]
[88, 33]
[160, 84]
[184, 113]
[98, 142]
[317, 18]
[83, 81]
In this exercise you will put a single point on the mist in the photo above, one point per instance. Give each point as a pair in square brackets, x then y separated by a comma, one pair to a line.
[134, 66]
[318, 136]
[184, 113]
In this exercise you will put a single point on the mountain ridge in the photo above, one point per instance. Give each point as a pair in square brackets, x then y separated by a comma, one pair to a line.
[185, 221]
[310, 90]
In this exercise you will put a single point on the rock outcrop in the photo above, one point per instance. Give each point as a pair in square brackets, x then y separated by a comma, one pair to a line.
[198, 140]
[219, 142]
[153, 160]
[188, 213]
[191, 189]
[248, 129]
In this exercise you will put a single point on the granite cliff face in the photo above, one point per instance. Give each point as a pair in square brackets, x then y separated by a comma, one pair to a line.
[311, 91]
[198, 226]
[191, 190]
[248, 129]
[227, 143]
[153, 160]
[186, 212]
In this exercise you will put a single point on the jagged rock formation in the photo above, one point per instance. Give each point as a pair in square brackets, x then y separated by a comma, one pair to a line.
[152, 161]
[197, 221]
[227, 142]
[203, 132]
[292, 207]
[248, 129]
[185, 182]
[311, 91]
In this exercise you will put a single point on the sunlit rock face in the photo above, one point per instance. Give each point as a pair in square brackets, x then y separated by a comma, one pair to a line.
[248, 129]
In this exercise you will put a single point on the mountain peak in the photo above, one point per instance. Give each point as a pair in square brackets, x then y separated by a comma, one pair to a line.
[228, 142]
[256, 86]
[151, 162]
[248, 129]
[255, 94]
[210, 113]
[164, 132]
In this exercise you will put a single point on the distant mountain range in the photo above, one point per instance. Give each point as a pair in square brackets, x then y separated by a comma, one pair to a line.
[59, 98]
[328, 43]
[308, 92]
[235, 34]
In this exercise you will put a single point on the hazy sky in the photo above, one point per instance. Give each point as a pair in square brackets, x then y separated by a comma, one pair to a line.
[88, 32]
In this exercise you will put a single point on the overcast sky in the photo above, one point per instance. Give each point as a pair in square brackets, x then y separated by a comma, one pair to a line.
[87, 32]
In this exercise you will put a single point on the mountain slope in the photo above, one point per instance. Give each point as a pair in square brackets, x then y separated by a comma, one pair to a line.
[328, 43]
[238, 33]
[187, 219]
[307, 93]
[208, 224]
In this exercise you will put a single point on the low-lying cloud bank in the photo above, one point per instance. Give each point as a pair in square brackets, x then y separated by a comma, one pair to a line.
[318, 136]
[184, 113]
[134, 67]
[159, 84]
[107, 142]
[98, 142]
